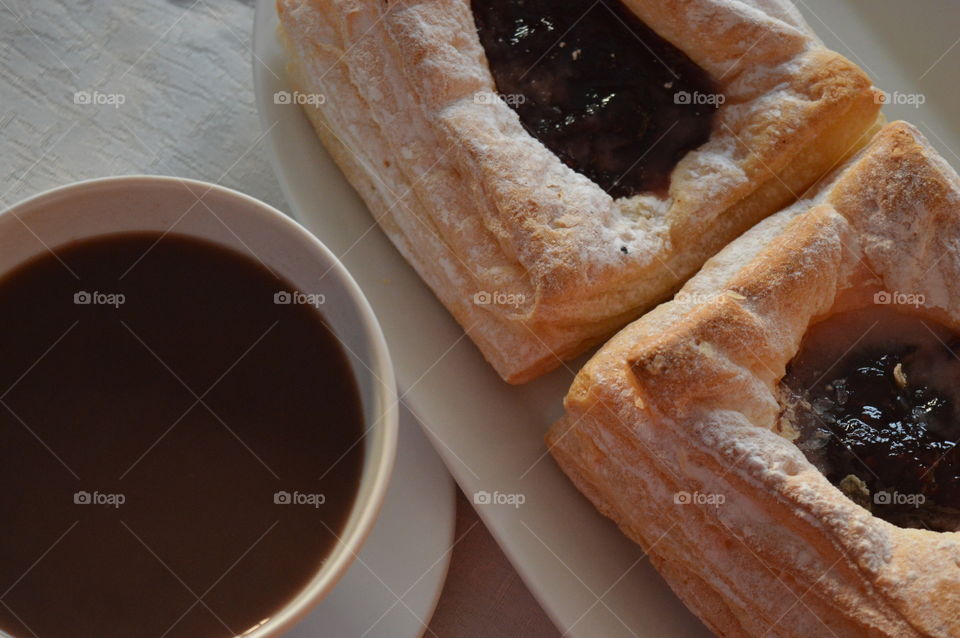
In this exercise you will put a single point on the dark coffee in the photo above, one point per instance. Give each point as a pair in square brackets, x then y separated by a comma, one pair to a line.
[180, 441]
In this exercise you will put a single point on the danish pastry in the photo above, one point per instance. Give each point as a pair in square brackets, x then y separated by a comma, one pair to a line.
[553, 169]
[781, 436]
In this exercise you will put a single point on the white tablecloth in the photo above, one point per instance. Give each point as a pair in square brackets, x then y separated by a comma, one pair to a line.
[93, 88]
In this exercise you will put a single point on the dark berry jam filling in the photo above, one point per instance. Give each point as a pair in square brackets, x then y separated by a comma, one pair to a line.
[611, 98]
[872, 401]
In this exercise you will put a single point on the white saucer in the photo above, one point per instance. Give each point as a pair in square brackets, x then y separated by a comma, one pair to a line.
[394, 584]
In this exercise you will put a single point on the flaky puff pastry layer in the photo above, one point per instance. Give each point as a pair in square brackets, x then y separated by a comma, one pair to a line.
[684, 402]
[536, 261]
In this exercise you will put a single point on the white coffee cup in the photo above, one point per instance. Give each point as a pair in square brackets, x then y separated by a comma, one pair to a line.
[84, 210]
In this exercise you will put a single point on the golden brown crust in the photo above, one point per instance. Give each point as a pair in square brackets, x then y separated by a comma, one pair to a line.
[477, 205]
[684, 401]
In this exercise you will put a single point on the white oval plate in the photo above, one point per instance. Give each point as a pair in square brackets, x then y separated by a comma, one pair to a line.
[589, 578]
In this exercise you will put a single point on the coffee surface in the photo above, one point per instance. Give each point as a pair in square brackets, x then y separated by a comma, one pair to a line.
[610, 97]
[180, 441]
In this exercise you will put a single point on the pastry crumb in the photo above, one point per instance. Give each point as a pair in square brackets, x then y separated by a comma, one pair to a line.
[899, 375]
[856, 490]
